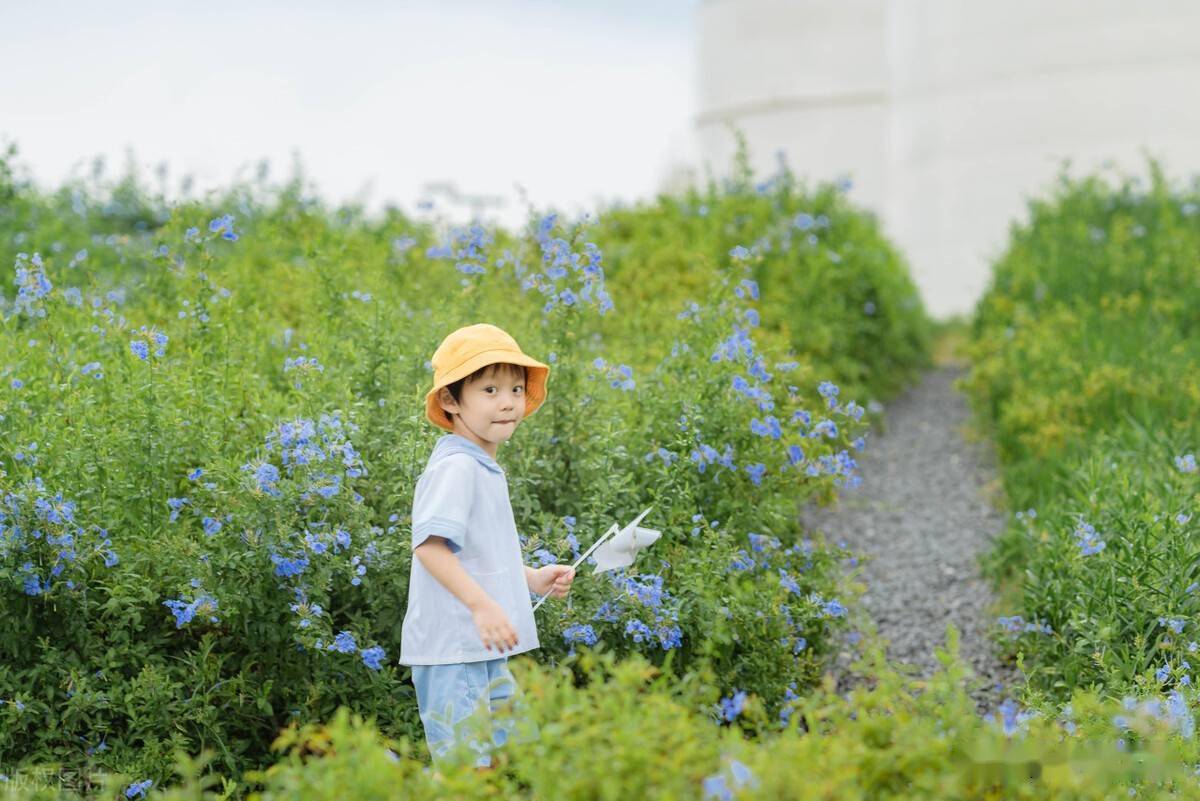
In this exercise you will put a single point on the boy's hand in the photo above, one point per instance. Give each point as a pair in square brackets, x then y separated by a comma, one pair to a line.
[493, 626]
[553, 579]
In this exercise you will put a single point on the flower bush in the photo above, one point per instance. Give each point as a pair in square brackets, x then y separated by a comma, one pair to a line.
[213, 427]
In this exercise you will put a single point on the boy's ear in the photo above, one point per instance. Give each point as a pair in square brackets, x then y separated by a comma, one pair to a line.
[446, 401]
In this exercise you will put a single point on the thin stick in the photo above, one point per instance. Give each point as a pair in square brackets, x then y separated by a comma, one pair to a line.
[595, 545]
[579, 561]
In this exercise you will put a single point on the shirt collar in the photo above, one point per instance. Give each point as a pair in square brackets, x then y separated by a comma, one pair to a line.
[456, 443]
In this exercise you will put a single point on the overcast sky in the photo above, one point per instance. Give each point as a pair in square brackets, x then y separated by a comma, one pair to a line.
[573, 101]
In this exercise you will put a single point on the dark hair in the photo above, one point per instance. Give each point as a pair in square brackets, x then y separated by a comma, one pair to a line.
[456, 387]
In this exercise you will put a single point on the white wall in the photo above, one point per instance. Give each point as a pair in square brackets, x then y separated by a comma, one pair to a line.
[980, 103]
[805, 76]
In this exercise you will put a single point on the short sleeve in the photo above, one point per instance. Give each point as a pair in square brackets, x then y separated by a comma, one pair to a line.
[442, 501]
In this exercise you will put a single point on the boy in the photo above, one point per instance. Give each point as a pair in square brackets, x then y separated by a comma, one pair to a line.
[468, 591]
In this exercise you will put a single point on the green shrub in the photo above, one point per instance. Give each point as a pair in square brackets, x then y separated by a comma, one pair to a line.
[1085, 354]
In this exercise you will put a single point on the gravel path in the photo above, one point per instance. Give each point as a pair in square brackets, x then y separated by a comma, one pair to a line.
[917, 523]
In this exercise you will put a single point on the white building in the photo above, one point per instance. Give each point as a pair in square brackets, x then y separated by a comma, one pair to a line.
[949, 114]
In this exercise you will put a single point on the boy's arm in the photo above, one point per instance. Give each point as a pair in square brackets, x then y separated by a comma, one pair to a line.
[444, 566]
[493, 625]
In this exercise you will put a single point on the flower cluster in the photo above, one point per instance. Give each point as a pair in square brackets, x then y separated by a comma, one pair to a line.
[316, 457]
[344, 643]
[723, 784]
[1148, 713]
[1087, 540]
[731, 707]
[32, 285]
[186, 611]
[143, 338]
[620, 376]
[222, 225]
[302, 366]
[580, 632]
[1012, 717]
[639, 595]
[1164, 671]
[322, 448]
[38, 529]
[1017, 625]
[560, 263]
[467, 247]
[138, 789]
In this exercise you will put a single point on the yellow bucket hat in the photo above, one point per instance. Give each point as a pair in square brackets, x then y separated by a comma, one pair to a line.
[471, 347]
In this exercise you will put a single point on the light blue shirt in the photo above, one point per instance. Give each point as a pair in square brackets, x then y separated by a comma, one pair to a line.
[463, 496]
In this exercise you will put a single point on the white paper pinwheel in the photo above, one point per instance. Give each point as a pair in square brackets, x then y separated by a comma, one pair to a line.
[617, 551]
[620, 549]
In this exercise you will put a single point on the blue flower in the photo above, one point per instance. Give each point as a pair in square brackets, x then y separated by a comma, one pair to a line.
[138, 789]
[343, 643]
[766, 428]
[1180, 714]
[1087, 540]
[715, 787]
[195, 474]
[1012, 717]
[286, 568]
[1186, 463]
[211, 525]
[670, 637]
[224, 226]
[732, 707]
[608, 612]
[756, 472]
[186, 611]
[760, 543]
[834, 609]
[580, 632]
[266, 474]
[739, 252]
[544, 557]
[638, 630]
[829, 391]
[741, 773]
[140, 349]
[788, 582]
[372, 657]
[747, 286]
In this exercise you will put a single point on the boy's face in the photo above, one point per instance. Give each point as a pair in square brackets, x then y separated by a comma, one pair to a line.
[490, 407]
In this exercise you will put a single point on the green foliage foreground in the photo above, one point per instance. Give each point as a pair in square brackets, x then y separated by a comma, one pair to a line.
[596, 727]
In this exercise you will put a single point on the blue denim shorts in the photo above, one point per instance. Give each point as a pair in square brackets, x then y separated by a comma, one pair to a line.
[448, 694]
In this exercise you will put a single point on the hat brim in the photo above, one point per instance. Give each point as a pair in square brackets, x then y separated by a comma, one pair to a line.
[536, 375]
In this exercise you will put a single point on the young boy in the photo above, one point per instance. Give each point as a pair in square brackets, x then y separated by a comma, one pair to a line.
[468, 594]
